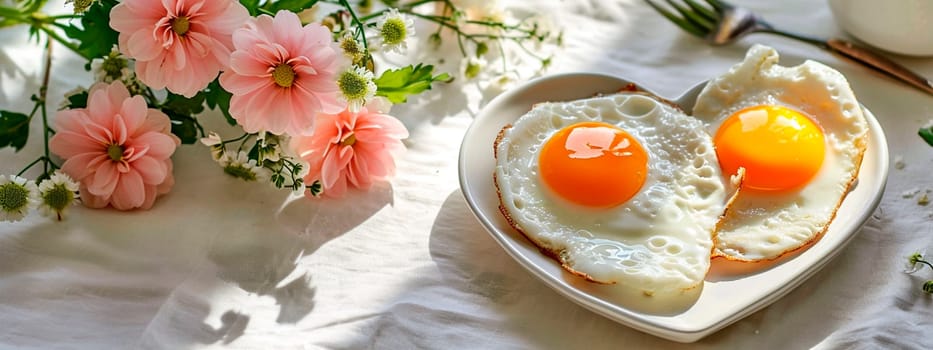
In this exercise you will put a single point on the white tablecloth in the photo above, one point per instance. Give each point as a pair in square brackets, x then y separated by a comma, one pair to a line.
[219, 263]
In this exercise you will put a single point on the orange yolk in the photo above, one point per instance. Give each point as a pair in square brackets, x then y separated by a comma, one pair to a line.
[780, 149]
[593, 164]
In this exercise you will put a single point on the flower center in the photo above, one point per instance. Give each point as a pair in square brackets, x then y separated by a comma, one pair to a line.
[82, 5]
[393, 31]
[472, 70]
[113, 65]
[12, 197]
[115, 152]
[180, 25]
[58, 197]
[351, 48]
[349, 140]
[283, 75]
[239, 171]
[352, 85]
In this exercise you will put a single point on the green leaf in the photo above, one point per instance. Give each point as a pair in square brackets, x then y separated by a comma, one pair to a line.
[184, 105]
[216, 97]
[290, 5]
[95, 35]
[398, 84]
[30, 7]
[181, 111]
[927, 134]
[14, 129]
[7, 12]
[251, 5]
[184, 126]
[316, 188]
[78, 100]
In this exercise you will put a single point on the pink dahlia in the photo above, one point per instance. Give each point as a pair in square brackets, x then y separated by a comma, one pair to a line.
[350, 149]
[116, 148]
[282, 74]
[178, 44]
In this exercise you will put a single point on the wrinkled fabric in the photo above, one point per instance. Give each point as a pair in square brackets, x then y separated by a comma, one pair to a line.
[220, 263]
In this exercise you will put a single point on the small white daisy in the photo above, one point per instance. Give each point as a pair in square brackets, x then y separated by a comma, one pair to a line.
[352, 48]
[394, 29]
[17, 196]
[483, 11]
[914, 263]
[56, 194]
[472, 67]
[242, 167]
[112, 67]
[214, 141]
[503, 81]
[356, 87]
[270, 146]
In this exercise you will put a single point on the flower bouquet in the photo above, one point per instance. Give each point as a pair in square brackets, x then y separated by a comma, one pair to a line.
[306, 82]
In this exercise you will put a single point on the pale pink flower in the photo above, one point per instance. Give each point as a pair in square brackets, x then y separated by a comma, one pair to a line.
[350, 149]
[178, 44]
[282, 74]
[116, 148]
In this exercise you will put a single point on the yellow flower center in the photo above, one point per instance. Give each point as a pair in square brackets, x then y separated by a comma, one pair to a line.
[240, 172]
[82, 5]
[115, 152]
[349, 140]
[58, 197]
[180, 25]
[283, 75]
[393, 31]
[13, 196]
[352, 85]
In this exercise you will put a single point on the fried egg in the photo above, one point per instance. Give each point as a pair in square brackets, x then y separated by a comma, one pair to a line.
[799, 134]
[622, 188]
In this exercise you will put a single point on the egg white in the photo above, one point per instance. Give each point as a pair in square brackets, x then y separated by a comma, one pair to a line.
[660, 240]
[763, 226]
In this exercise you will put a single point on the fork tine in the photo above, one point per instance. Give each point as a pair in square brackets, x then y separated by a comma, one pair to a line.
[691, 16]
[706, 12]
[684, 24]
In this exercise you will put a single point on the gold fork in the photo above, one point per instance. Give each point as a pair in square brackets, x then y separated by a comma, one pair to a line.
[720, 23]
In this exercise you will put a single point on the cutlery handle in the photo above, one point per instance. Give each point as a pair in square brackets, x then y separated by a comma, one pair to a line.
[880, 63]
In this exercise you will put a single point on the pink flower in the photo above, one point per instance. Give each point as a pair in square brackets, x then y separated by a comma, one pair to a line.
[350, 149]
[178, 44]
[116, 148]
[282, 74]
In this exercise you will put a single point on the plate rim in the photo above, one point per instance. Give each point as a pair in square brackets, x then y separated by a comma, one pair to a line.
[593, 303]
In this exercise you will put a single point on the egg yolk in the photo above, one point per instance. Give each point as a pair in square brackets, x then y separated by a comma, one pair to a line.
[593, 164]
[780, 149]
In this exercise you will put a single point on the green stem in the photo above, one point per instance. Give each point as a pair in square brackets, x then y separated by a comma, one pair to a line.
[10, 12]
[359, 24]
[52, 34]
[43, 91]
[408, 7]
[58, 17]
[927, 263]
[21, 172]
[224, 143]
[243, 144]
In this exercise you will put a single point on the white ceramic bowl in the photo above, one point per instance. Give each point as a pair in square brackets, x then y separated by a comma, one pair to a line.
[899, 26]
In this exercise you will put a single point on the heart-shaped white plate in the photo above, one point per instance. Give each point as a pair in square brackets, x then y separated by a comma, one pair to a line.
[731, 290]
